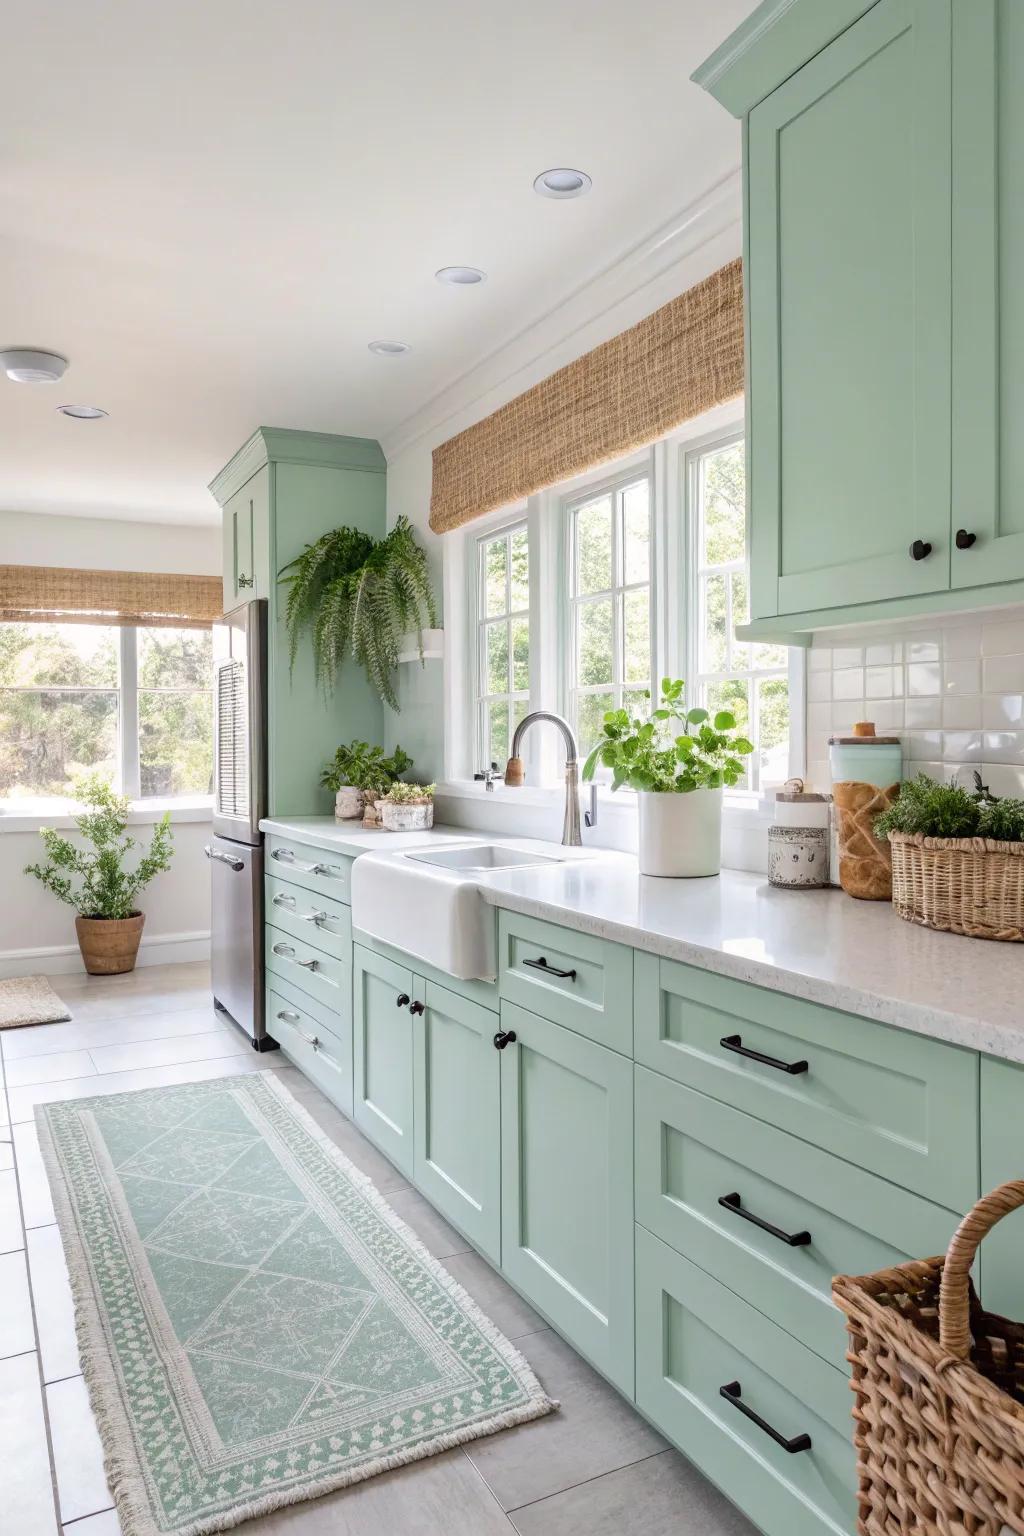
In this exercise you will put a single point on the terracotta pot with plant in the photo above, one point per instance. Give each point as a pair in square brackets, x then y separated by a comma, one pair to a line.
[360, 772]
[108, 924]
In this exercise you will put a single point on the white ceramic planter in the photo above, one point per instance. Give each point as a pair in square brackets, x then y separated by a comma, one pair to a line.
[406, 818]
[680, 836]
[348, 803]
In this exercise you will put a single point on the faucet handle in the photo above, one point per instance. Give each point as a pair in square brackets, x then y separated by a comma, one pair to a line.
[515, 773]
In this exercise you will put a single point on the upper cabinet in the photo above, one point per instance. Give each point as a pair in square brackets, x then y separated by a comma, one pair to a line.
[246, 533]
[883, 180]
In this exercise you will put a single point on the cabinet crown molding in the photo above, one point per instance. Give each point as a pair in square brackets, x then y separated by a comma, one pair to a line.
[285, 445]
[773, 43]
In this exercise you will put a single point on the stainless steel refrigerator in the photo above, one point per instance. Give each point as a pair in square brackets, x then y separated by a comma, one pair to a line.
[235, 851]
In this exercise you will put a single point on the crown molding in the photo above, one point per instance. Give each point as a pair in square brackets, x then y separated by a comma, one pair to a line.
[648, 275]
[776, 40]
[285, 445]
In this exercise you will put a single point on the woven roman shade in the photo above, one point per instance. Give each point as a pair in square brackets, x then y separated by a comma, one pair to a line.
[675, 364]
[47, 594]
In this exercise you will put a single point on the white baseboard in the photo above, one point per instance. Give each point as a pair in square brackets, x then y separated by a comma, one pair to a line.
[65, 959]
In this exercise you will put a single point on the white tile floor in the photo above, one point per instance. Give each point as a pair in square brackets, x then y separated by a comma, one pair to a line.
[594, 1469]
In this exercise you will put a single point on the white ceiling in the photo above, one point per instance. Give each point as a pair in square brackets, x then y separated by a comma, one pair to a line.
[211, 207]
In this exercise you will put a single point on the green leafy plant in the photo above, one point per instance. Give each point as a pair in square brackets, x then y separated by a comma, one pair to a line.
[107, 889]
[410, 794]
[365, 767]
[674, 750]
[359, 597]
[948, 810]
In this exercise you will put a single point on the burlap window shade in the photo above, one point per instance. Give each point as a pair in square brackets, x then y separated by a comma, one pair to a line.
[678, 362]
[44, 594]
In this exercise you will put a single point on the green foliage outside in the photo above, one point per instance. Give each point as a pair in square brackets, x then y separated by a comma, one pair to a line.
[655, 757]
[359, 597]
[107, 888]
[948, 810]
[364, 767]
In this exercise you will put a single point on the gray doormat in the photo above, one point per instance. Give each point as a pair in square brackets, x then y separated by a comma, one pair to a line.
[30, 1000]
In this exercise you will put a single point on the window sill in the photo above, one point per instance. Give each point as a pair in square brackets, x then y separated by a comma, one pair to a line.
[29, 816]
[739, 807]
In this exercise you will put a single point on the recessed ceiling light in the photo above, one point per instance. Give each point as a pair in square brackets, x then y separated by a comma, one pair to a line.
[389, 348]
[28, 365]
[461, 277]
[562, 182]
[82, 412]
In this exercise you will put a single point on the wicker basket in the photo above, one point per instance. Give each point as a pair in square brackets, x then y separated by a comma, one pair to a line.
[939, 1384]
[970, 885]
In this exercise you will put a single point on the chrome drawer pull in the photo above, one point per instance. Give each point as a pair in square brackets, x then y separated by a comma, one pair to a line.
[313, 1040]
[309, 965]
[281, 900]
[285, 951]
[731, 1393]
[550, 970]
[288, 1017]
[319, 918]
[735, 1043]
[284, 855]
[792, 1239]
[332, 871]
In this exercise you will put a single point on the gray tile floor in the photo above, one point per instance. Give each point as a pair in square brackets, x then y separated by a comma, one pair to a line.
[593, 1469]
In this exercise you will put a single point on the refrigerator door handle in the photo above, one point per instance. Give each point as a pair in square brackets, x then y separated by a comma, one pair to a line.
[224, 858]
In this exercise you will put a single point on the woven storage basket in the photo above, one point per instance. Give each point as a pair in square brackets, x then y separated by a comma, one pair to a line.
[970, 885]
[939, 1385]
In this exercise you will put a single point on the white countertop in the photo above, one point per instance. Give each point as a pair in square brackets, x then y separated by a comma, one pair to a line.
[818, 945]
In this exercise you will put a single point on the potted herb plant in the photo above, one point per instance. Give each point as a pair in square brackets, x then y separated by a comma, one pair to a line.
[358, 771]
[108, 924]
[957, 858]
[408, 808]
[678, 760]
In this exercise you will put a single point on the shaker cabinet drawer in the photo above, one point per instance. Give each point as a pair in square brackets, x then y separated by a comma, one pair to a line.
[299, 962]
[771, 1217]
[571, 978]
[319, 1042]
[765, 1418]
[899, 1104]
[326, 873]
[313, 919]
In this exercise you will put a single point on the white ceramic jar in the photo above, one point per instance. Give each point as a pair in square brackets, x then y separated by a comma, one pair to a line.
[406, 818]
[798, 839]
[348, 803]
[680, 835]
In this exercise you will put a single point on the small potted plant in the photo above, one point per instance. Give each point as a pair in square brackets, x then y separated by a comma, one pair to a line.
[678, 760]
[108, 924]
[358, 771]
[407, 808]
[957, 858]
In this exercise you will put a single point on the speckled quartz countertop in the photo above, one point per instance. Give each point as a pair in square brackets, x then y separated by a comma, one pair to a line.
[818, 945]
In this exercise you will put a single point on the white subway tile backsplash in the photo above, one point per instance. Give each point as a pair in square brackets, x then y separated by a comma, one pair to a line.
[953, 689]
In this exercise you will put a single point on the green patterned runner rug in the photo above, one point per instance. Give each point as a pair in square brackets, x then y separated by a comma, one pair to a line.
[256, 1325]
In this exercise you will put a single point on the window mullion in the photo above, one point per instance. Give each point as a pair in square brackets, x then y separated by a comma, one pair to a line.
[128, 712]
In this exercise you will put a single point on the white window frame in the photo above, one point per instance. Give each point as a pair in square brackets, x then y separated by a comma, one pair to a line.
[127, 778]
[483, 699]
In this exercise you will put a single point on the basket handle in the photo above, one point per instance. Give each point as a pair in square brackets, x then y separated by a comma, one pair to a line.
[954, 1314]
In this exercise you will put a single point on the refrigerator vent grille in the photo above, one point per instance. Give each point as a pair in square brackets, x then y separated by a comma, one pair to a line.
[232, 740]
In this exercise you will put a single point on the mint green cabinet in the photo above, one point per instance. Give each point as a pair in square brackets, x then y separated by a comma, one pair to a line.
[317, 1039]
[246, 537]
[988, 298]
[456, 1112]
[567, 1185]
[1000, 1262]
[848, 199]
[382, 1071]
[575, 979]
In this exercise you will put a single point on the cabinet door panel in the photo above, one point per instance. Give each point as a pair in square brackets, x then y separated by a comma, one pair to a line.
[246, 540]
[1000, 1262]
[848, 185]
[988, 303]
[382, 1055]
[457, 1110]
[567, 1196]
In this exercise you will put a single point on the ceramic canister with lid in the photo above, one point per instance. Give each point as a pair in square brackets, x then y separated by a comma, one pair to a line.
[798, 839]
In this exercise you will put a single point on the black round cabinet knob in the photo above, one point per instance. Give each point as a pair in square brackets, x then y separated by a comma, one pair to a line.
[920, 549]
[964, 540]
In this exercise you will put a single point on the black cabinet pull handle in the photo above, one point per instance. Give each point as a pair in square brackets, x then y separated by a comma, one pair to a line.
[793, 1239]
[402, 1000]
[731, 1393]
[965, 540]
[504, 1037]
[920, 549]
[552, 970]
[735, 1043]
[417, 1008]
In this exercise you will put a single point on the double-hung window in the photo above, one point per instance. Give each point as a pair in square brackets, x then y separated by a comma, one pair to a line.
[503, 640]
[133, 704]
[610, 607]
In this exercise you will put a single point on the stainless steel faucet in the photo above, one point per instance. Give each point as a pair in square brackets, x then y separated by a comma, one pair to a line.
[514, 774]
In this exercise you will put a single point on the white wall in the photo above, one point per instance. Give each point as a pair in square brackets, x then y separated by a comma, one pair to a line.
[102, 544]
[37, 931]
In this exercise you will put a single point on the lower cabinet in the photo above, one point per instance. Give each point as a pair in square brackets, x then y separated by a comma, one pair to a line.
[999, 1266]
[317, 1039]
[758, 1412]
[457, 1106]
[567, 1185]
[382, 1054]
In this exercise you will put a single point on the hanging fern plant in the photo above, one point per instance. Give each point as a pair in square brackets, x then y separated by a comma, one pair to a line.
[359, 596]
